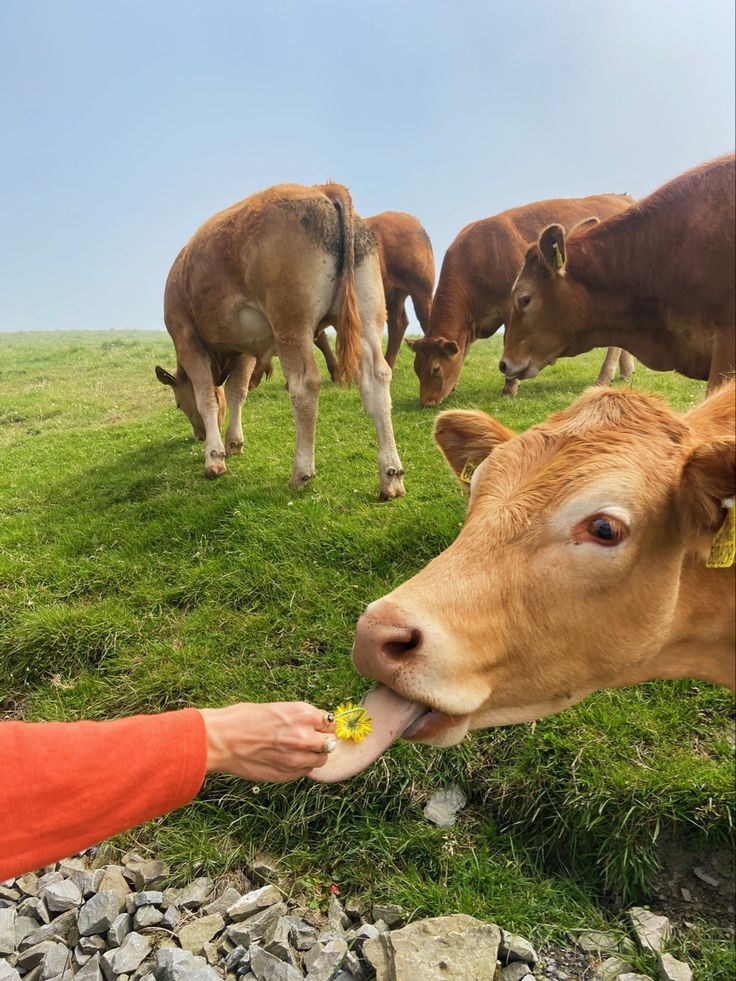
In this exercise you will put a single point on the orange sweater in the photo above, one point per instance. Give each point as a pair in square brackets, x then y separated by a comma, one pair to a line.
[67, 785]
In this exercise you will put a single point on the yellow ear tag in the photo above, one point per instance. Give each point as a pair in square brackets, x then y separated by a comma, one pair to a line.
[723, 551]
[559, 261]
[467, 472]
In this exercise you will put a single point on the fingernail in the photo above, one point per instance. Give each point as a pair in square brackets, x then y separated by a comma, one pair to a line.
[330, 745]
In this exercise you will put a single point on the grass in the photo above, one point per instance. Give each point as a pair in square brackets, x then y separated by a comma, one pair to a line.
[128, 583]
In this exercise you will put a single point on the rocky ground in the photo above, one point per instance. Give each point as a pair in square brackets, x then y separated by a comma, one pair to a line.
[91, 919]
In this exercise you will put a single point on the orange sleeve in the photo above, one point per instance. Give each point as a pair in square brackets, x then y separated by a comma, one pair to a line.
[67, 785]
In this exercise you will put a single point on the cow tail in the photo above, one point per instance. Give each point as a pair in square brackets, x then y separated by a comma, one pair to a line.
[348, 324]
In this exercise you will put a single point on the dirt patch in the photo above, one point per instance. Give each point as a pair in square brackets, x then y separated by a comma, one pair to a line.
[695, 884]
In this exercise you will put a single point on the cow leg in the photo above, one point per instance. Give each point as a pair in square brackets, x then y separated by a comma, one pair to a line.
[303, 379]
[236, 391]
[626, 365]
[197, 366]
[397, 323]
[421, 300]
[375, 392]
[608, 368]
[723, 360]
[322, 341]
[510, 387]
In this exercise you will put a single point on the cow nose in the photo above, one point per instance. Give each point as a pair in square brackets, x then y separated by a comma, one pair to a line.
[381, 644]
[502, 366]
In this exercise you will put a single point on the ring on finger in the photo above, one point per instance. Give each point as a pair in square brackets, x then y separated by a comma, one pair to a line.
[329, 718]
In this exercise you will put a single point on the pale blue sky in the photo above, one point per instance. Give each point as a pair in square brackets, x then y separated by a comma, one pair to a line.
[124, 124]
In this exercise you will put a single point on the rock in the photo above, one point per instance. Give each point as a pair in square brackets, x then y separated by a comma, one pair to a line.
[652, 931]
[704, 877]
[266, 967]
[252, 901]
[438, 948]
[516, 971]
[629, 976]
[149, 897]
[515, 948]
[195, 934]
[610, 969]
[146, 873]
[45, 881]
[391, 914]
[223, 902]
[90, 945]
[97, 914]
[32, 957]
[113, 880]
[327, 963]
[265, 868]
[248, 931]
[134, 948]
[235, 957]
[8, 937]
[8, 973]
[32, 906]
[23, 926]
[337, 918]
[63, 928]
[670, 969]
[61, 896]
[55, 961]
[195, 894]
[368, 931]
[172, 964]
[27, 884]
[205, 973]
[301, 934]
[276, 941]
[444, 804]
[594, 941]
[171, 918]
[147, 916]
[119, 929]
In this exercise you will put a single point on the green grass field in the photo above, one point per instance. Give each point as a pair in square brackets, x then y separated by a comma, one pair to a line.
[128, 583]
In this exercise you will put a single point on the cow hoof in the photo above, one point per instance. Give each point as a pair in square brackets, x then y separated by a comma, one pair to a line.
[215, 469]
[510, 389]
[300, 481]
[391, 489]
[234, 448]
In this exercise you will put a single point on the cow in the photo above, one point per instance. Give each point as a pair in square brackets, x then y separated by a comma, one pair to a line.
[263, 277]
[608, 512]
[657, 279]
[407, 269]
[473, 297]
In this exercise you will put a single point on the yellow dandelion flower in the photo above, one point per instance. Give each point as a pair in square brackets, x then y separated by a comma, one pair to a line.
[351, 722]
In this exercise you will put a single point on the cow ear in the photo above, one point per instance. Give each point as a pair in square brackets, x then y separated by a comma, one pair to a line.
[411, 343]
[466, 438]
[164, 377]
[708, 478]
[586, 223]
[552, 247]
[449, 347]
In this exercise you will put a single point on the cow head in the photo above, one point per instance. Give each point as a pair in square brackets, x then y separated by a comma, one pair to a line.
[548, 307]
[437, 363]
[567, 575]
[186, 401]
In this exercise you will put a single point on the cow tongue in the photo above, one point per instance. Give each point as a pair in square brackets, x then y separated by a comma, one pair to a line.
[391, 716]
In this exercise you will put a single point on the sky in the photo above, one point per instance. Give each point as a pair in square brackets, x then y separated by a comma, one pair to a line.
[125, 124]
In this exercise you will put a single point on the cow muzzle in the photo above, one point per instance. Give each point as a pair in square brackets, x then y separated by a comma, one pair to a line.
[385, 643]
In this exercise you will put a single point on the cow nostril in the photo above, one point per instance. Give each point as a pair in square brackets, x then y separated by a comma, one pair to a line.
[502, 367]
[400, 648]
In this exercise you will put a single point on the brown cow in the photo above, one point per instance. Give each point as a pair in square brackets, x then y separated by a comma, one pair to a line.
[657, 279]
[407, 269]
[605, 513]
[264, 277]
[473, 297]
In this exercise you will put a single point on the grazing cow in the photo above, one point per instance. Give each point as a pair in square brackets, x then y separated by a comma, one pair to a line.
[604, 514]
[264, 277]
[657, 279]
[473, 297]
[407, 269]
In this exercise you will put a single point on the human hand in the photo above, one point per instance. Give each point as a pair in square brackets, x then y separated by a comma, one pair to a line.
[272, 741]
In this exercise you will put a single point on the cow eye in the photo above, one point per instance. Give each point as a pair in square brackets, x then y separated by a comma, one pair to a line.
[606, 530]
[524, 301]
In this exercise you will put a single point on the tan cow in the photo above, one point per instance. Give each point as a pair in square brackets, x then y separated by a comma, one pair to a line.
[407, 269]
[657, 279]
[605, 513]
[264, 277]
[473, 297]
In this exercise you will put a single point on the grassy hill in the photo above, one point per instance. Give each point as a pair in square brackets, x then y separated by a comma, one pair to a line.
[128, 583]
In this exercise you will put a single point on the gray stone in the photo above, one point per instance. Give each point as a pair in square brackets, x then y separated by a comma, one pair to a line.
[149, 897]
[629, 976]
[8, 937]
[134, 948]
[113, 880]
[107, 961]
[32, 906]
[195, 894]
[235, 957]
[301, 934]
[97, 914]
[27, 884]
[172, 964]
[211, 954]
[221, 904]
[266, 967]
[147, 916]
[442, 947]
[515, 948]
[352, 965]
[594, 941]
[337, 918]
[276, 940]
[328, 962]
[90, 945]
[652, 931]
[119, 929]
[55, 961]
[701, 874]
[670, 969]
[265, 868]
[516, 971]
[33, 956]
[205, 973]
[61, 896]
[391, 914]
[610, 969]
[63, 928]
[382, 926]
[195, 934]
[47, 880]
[368, 931]
[247, 931]
[146, 873]
[171, 918]
[444, 804]
[8, 973]
[252, 901]
[23, 926]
